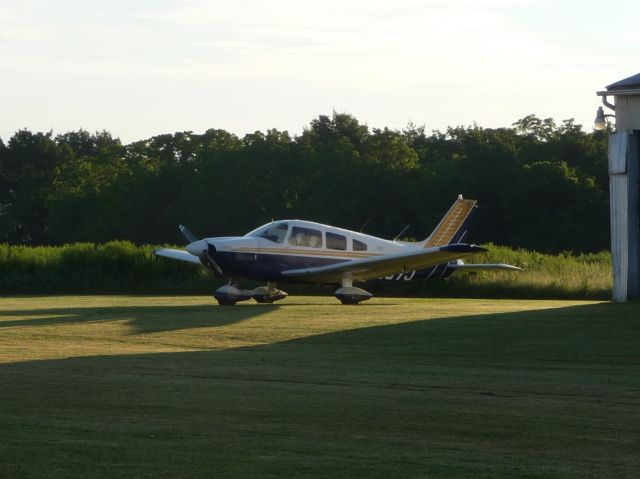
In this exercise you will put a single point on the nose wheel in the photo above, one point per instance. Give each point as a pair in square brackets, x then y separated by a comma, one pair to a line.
[268, 293]
[230, 294]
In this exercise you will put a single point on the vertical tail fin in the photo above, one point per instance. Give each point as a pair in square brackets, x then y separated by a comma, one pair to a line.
[453, 227]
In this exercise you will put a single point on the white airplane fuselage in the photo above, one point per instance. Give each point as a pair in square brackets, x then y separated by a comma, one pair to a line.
[297, 251]
[304, 244]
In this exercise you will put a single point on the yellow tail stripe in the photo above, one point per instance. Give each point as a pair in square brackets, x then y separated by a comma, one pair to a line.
[451, 223]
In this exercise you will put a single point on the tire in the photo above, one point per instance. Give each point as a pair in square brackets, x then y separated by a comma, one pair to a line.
[225, 302]
[263, 300]
[350, 301]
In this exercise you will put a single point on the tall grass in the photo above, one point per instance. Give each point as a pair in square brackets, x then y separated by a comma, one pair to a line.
[113, 267]
[122, 267]
[583, 276]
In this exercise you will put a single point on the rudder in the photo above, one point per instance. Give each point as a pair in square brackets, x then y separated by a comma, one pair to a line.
[453, 227]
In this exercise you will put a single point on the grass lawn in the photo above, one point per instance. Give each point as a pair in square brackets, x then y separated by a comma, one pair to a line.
[177, 387]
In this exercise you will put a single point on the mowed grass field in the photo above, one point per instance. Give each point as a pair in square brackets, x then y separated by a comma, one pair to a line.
[178, 387]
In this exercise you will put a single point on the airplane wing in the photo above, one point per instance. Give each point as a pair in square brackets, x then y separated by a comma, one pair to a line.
[375, 267]
[475, 268]
[177, 254]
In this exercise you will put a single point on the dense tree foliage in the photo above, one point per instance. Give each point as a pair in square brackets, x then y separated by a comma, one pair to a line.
[540, 185]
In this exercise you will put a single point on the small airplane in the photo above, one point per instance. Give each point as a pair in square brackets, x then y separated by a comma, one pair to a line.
[297, 251]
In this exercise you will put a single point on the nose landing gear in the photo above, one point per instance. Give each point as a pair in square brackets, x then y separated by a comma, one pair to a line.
[268, 293]
[230, 294]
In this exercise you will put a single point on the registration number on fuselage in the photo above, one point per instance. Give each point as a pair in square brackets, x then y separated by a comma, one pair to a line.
[405, 276]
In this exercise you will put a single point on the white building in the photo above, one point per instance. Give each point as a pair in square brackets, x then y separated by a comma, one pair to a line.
[624, 147]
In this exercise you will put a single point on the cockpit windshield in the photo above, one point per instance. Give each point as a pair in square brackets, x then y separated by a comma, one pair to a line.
[275, 232]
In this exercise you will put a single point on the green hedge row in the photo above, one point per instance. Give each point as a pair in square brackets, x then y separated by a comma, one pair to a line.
[122, 267]
[113, 267]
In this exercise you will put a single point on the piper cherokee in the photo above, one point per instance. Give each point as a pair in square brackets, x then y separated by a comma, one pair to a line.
[297, 251]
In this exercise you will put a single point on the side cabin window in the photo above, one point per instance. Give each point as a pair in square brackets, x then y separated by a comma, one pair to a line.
[305, 237]
[336, 241]
[273, 232]
[359, 245]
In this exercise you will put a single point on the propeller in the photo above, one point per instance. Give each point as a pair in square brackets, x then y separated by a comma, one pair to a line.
[187, 234]
[210, 262]
[205, 255]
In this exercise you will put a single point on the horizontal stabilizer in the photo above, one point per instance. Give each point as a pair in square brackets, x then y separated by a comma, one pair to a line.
[177, 254]
[483, 267]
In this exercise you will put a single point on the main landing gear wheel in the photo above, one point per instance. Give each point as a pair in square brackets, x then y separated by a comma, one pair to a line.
[351, 300]
[352, 295]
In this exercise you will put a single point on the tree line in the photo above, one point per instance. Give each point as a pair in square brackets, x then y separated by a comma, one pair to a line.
[540, 185]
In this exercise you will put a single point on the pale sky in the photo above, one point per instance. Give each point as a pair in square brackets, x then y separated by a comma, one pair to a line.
[139, 68]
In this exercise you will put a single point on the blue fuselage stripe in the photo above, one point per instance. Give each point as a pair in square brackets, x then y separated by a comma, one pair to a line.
[268, 267]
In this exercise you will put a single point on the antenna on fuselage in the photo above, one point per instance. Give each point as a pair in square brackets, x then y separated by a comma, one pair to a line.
[400, 234]
[366, 223]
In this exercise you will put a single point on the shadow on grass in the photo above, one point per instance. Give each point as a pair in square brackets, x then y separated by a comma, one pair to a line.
[144, 319]
[153, 319]
[545, 393]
